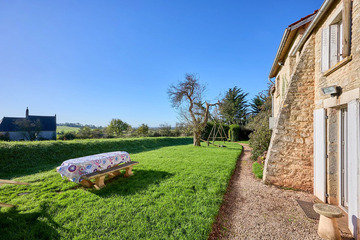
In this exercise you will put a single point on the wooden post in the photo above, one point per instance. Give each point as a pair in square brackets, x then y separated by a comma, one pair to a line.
[212, 129]
[346, 21]
[223, 132]
[214, 134]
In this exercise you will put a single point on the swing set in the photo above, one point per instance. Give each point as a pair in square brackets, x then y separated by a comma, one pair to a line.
[216, 133]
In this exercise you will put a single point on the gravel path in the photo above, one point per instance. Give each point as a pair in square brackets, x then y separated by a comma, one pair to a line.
[252, 210]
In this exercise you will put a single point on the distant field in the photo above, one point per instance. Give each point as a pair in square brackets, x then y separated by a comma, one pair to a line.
[66, 129]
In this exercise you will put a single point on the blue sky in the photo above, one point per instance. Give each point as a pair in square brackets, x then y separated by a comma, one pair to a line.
[91, 61]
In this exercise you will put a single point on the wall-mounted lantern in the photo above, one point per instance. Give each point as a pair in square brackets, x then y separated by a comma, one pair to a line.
[332, 90]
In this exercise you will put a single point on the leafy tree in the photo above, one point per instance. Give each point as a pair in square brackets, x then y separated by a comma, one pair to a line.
[233, 107]
[182, 129]
[84, 132]
[97, 133]
[143, 130]
[256, 103]
[261, 135]
[187, 97]
[117, 127]
[165, 129]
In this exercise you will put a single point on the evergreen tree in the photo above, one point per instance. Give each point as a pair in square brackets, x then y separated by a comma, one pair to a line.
[256, 103]
[233, 107]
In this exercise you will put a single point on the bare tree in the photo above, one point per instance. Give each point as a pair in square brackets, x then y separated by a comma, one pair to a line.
[187, 97]
[30, 129]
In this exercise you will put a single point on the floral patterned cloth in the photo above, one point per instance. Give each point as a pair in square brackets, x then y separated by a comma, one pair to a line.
[75, 168]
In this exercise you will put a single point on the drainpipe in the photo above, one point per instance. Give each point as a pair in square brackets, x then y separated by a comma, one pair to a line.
[272, 97]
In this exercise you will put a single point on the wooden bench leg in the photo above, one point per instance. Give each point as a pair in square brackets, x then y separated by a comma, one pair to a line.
[86, 183]
[99, 182]
[114, 174]
[128, 172]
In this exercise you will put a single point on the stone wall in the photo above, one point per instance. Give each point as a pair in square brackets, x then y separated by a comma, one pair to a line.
[347, 76]
[282, 79]
[333, 152]
[289, 162]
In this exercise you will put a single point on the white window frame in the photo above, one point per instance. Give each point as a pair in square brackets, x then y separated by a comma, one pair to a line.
[332, 42]
[320, 151]
[343, 152]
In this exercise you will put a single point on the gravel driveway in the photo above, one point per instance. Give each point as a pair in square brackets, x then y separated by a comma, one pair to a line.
[252, 210]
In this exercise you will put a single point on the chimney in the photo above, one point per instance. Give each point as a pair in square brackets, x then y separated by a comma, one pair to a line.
[27, 112]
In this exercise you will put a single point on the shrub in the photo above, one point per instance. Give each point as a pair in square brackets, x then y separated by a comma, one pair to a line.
[5, 137]
[234, 132]
[226, 129]
[244, 133]
[260, 137]
[66, 136]
[258, 169]
[154, 134]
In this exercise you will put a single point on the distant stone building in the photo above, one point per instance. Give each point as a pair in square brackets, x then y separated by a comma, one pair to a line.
[29, 128]
[315, 144]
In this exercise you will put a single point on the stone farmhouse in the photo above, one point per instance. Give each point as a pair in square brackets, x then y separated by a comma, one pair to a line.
[20, 128]
[315, 145]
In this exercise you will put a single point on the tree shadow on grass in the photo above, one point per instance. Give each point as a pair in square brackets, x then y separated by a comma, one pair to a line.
[31, 159]
[35, 225]
[140, 181]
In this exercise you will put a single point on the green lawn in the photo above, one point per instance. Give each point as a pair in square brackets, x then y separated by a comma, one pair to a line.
[175, 193]
[66, 129]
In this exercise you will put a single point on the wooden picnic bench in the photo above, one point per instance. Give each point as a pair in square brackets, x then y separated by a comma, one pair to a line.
[2, 181]
[111, 172]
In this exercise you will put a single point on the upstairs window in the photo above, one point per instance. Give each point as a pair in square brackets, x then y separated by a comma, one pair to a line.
[332, 46]
[336, 37]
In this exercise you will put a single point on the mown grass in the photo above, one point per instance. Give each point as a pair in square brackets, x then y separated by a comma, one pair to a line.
[175, 193]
